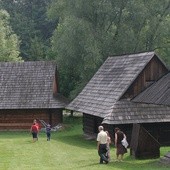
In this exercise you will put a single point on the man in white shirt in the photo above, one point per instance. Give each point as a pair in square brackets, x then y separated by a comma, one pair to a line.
[102, 144]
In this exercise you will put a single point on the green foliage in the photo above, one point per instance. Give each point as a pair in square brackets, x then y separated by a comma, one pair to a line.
[89, 31]
[9, 46]
[74, 46]
[29, 21]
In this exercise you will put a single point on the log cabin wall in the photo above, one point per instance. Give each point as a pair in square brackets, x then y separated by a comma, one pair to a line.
[152, 72]
[22, 119]
[160, 131]
[56, 116]
[90, 124]
[143, 144]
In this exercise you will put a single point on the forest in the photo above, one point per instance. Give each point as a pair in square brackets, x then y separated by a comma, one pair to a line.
[80, 34]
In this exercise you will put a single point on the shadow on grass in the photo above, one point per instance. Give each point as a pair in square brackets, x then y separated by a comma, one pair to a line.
[76, 140]
[128, 164]
[14, 134]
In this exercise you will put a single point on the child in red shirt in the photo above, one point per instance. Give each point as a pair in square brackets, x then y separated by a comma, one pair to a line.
[37, 125]
[34, 131]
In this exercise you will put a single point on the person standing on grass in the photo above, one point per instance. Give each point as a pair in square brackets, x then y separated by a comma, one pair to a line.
[102, 145]
[108, 146]
[120, 149]
[34, 131]
[48, 132]
[37, 125]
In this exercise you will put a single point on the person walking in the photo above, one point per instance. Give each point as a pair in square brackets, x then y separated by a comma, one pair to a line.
[108, 146]
[48, 132]
[34, 131]
[120, 149]
[102, 145]
[38, 127]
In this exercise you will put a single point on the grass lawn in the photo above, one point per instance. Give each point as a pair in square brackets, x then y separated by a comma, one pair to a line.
[66, 150]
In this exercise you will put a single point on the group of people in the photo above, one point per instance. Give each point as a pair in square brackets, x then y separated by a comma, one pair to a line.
[104, 141]
[35, 128]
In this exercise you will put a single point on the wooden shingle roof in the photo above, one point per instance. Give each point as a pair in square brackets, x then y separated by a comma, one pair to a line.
[126, 112]
[157, 93]
[109, 83]
[27, 85]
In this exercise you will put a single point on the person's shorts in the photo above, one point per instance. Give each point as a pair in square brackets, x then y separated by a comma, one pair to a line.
[34, 134]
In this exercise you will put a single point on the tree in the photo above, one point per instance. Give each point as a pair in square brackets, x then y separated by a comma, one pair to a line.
[90, 31]
[29, 21]
[74, 41]
[9, 46]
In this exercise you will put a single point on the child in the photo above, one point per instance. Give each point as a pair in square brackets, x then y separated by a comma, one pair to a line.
[48, 132]
[34, 132]
[38, 126]
[108, 146]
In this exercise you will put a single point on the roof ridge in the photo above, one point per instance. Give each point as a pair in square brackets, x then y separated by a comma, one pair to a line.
[26, 62]
[133, 54]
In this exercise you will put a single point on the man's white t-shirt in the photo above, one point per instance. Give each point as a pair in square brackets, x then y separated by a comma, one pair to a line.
[102, 137]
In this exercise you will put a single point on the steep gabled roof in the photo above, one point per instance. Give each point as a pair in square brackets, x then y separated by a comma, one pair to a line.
[126, 112]
[27, 85]
[109, 83]
[157, 93]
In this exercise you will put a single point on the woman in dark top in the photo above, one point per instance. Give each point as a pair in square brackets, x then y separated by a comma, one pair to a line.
[120, 149]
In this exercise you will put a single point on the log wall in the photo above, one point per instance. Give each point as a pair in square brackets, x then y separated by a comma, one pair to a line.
[152, 72]
[91, 123]
[160, 131]
[143, 145]
[22, 119]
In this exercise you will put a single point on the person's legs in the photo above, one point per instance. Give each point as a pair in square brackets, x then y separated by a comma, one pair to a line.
[34, 136]
[99, 153]
[121, 158]
[103, 156]
[101, 160]
[117, 154]
[48, 136]
[37, 135]
[102, 149]
[108, 155]
[117, 157]
[122, 150]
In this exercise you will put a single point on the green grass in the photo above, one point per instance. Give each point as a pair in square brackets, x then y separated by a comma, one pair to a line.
[67, 150]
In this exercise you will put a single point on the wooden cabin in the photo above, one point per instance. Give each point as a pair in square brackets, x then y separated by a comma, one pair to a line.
[108, 97]
[28, 91]
[143, 145]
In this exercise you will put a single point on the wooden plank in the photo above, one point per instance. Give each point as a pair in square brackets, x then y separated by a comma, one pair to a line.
[144, 145]
[14, 124]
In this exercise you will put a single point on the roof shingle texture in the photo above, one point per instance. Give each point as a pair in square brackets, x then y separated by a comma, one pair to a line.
[125, 112]
[26, 85]
[109, 83]
[157, 93]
